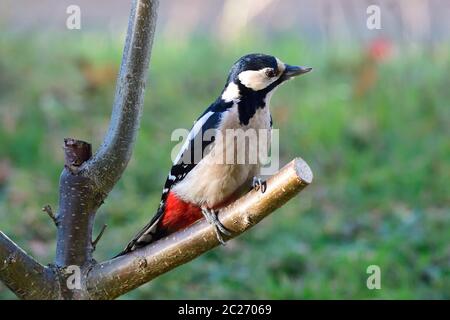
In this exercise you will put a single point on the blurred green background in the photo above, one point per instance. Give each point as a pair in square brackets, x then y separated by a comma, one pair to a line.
[372, 121]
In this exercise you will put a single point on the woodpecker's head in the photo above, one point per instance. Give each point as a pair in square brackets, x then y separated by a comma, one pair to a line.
[258, 74]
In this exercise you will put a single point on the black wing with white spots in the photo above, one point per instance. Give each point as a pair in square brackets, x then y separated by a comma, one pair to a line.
[189, 156]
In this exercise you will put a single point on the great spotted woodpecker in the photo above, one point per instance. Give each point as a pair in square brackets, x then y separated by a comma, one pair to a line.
[201, 185]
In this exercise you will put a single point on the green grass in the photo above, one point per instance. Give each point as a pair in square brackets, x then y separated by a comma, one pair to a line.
[381, 164]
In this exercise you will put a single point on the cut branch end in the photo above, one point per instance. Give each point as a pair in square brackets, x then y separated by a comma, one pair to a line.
[76, 152]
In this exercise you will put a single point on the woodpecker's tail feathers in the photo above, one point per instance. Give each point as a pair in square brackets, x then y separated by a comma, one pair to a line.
[147, 235]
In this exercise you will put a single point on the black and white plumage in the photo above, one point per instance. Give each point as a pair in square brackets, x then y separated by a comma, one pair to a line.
[197, 182]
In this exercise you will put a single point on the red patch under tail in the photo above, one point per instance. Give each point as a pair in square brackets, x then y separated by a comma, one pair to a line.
[178, 215]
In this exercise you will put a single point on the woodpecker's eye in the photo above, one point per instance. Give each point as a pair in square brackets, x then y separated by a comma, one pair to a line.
[270, 73]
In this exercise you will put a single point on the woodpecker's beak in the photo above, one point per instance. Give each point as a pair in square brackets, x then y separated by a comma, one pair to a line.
[293, 71]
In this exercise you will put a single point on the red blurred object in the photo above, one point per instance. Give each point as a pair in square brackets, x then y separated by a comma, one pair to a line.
[377, 51]
[380, 49]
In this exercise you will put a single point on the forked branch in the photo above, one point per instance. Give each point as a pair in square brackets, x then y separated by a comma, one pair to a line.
[86, 180]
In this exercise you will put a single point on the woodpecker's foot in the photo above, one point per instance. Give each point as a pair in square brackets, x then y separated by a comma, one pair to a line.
[259, 184]
[219, 228]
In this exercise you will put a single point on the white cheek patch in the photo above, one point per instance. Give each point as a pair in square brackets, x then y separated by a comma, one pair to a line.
[231, 93]
[256, 79]
[281, 67]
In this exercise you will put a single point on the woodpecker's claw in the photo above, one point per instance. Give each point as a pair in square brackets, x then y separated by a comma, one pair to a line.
[258, 184]
[219, 228]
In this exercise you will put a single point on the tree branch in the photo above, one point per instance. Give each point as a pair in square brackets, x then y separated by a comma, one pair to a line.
[86, 181]
[78, 203]
[48, 209]
[115, 277]
[97, 239]
[23, 275]
[108, 164]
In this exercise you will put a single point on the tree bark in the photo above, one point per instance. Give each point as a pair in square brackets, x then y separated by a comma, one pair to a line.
[77, 206]
[108, 164]
[23, 275]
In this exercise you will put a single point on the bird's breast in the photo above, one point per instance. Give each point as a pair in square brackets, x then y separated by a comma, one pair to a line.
[231, 162]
